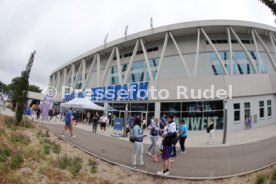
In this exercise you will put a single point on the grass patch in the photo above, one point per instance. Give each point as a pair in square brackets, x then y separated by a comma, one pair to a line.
[9, 122]
[4, 154]
[2, 132]
[93, 166]
[46, 149]
[41, 133]
[273, 177]
[16, 160]
[72, 165]
[75, 166]
[4, 168]
[20, 138]
[261, 179]
[56, 148]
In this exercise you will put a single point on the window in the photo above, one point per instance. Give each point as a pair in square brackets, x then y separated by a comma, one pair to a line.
[269, 110]
[237, 113]
[247, 109]
[261, 108]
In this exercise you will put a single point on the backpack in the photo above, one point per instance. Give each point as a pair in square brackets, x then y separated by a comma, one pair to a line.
[153, 132]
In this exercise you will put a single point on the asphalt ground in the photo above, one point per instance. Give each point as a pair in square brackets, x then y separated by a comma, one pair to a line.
[196, 163]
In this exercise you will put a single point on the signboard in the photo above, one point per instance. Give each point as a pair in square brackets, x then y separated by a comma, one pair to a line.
[118, 126]
[132, 91]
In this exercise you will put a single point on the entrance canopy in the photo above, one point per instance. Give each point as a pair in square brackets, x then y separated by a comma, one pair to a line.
[84, 103]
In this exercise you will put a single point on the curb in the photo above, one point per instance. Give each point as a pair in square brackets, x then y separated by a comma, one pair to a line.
[162, 176]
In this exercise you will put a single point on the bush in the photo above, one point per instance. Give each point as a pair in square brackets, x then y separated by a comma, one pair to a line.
[3, 168]
[16, 160]
[20, 138]
[72, 165]
[93, 166]
[40, 133]
[64, 162]
[9, 122]
[56, 148]
[4, 154]
[273, 178]
[261, 179]
[46, 149]
[2, 132]
[75, 166]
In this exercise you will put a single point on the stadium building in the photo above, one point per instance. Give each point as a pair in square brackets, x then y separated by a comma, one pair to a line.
[233, 58]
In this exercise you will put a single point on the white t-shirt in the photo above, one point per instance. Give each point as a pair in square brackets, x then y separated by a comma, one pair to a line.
[171, 127]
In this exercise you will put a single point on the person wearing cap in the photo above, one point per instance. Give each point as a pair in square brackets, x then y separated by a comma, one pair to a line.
[169, 141]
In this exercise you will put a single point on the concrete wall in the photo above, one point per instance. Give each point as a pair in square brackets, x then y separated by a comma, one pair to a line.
[254, 107]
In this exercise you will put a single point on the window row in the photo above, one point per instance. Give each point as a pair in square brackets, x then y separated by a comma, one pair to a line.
[152, 49]
[225, 41]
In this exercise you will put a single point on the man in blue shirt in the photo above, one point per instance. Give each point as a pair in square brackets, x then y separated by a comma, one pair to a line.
[69, 118]
[183, 133]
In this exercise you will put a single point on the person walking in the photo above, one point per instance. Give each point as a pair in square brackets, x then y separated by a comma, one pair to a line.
[69, 120]
[138, 135]
[183, 134]
[154, 129]
[95, 120]
[211, 132]
[169, 141]
[104, 121]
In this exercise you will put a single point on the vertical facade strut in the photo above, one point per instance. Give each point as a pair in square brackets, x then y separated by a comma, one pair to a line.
[245, 50]
[131, 61]
[162, 56]
[266, 49]
[119, 65]
[146, 60]
[108, 66]
[98, 70]
[215, 50]
[181, 56]
[83, 73]
[197, 52]
[73, 76]
[256, 49]
[90, 70]
[230, 52]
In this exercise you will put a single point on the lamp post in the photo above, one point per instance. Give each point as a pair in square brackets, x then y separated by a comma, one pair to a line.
[225, 121]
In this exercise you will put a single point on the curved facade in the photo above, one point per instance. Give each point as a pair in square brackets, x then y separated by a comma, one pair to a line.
[235, 56]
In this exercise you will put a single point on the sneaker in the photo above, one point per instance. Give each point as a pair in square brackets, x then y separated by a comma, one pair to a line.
[134, 166]
[154, 157]
[62, 135]
[166, 173]
[73, 136]
[182, 152]
[160, 172]
[148, 153]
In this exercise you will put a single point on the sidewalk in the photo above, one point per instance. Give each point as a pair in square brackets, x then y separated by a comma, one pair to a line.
[195, 138]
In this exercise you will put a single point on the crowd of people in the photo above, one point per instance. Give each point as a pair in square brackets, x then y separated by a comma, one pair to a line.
[166, 129]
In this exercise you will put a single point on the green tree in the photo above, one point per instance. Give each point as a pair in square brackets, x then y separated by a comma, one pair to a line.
[3, 86]
[34, 88]
[21, 90]
[271, 4]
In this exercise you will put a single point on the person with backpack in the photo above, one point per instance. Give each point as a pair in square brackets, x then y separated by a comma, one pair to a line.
[169, 140]
[138, 136]
[154, 129]
[183, 134]
[69, 120]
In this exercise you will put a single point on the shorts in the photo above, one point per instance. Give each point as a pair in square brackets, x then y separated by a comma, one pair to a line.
[103, 125]
[68, 127]
[167, 152]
